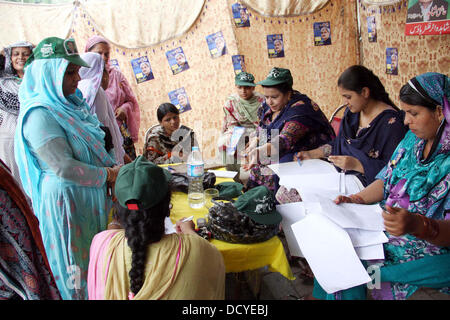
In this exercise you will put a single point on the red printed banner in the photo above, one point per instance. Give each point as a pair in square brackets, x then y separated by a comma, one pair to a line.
[426, 17]
[427, 28]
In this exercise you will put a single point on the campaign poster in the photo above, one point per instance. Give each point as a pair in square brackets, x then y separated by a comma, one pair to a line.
[142, 69]
[275, 45]
[322, 33]
[180, 99]
[392, 61]
[114, 63]
[216, 44]
[240, 15]
[427, 17]
[238, 63]
[372, 28]
[177, 60]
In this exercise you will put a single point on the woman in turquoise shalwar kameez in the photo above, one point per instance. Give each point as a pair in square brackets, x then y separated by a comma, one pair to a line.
[63, 164]
[413, 189]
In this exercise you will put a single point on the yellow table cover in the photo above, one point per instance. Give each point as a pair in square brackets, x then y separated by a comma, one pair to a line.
[238, 257]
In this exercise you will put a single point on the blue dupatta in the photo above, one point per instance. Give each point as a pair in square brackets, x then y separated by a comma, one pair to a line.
[42, 86]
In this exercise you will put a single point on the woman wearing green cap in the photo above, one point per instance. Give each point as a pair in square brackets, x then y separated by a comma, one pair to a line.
[289, 122]
[241, 110]
[142, 261]
[63, 164]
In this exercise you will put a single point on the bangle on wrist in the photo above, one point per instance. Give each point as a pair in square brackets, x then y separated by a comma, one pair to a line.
[357, 199]
[430, 228]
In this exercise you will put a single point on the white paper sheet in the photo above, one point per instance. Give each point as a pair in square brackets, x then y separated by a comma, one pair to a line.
[169, 226]
[352, 184]
[317, 183]
[291, 213]
[312, 166]
[351, 215]
[224, 173]
[364, 238]
[330, 253]
[375, 252]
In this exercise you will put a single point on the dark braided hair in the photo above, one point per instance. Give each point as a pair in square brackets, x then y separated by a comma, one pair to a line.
[142, 228]
[356, 77]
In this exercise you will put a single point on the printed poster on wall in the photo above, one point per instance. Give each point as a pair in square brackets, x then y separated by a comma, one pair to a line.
[322, 33]
[372, 28]
[240, 15]
[426, 17]
[114, 63]
[177, 60]
[392, 61]
[180, 99]
[216, 44]
[142, 69]
[275, 45]
[238, 63]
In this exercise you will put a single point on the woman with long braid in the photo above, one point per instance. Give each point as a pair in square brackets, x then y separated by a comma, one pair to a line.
[141, 261]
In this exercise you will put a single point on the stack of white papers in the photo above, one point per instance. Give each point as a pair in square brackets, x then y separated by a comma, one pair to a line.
[334, 239]
[315, 176]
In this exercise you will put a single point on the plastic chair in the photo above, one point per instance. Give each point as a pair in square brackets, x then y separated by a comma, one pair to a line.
[336, 121]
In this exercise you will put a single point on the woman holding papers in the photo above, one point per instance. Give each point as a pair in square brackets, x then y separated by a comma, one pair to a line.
[370, 130]
[289, 122]
[413, 189]
[241, 111]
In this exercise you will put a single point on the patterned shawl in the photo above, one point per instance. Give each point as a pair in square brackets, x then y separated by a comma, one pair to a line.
[9, 82]
[24, 268]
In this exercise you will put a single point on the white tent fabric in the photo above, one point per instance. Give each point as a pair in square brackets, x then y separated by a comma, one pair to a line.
[129, 24]
[139, 24]
[284, 8]
[33, 22]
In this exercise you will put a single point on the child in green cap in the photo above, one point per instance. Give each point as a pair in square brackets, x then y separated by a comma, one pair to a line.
[240, 111]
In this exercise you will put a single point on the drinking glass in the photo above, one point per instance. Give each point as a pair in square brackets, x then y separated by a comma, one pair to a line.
[210, 193]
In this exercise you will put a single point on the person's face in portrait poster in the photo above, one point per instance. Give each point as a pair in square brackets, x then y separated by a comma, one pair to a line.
[181, 60]
[325, 33]
[182, 100]
[145, 68]
[278, 46]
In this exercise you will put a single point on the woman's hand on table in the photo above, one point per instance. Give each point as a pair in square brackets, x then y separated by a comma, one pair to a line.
[185, 227]
[347, 163]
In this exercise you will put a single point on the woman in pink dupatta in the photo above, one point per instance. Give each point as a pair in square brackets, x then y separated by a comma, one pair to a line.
[120, 96]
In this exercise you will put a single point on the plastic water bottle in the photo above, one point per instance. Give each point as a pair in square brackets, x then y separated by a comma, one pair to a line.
[195, 170]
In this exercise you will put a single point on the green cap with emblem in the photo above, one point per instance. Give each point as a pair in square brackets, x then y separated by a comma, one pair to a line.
[259, 204]
[245, 79]
[277, 76]
[143, 181]
[55, 48]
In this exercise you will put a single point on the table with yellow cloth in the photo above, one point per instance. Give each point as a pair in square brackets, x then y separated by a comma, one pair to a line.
[237, 257]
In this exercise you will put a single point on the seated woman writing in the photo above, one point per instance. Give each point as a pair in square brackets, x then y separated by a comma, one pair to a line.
[289, 122]
[370, 130]
[167, 142]
[141, 262]
[414, 191]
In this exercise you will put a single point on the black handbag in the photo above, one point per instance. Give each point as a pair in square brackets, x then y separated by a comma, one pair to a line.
[228, 224]
[180, 181]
